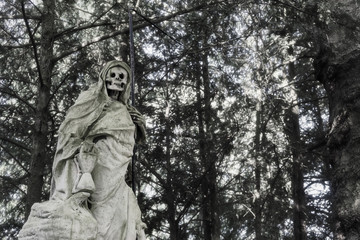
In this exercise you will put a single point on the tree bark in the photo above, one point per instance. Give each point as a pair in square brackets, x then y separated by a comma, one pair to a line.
[343, 87]
[39, 158]
[338, 68]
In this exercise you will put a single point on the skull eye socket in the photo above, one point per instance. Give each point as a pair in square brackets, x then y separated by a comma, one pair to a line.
[112, 75]
[121, 75]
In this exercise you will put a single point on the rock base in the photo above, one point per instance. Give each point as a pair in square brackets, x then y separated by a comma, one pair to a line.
[68, 220]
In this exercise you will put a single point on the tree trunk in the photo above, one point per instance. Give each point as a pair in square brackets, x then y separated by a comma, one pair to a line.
[292, 130]
[170, 197]
[343, 87]
[39, 158]
[211, 158]
[344, 144]
[205, 210]
[124, 47]
[169, 188]
[257, 193]
[209, 209]
[338, 68]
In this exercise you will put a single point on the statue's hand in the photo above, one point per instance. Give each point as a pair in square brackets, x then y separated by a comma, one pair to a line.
[79, 199]
[136, 116]
[139, 120]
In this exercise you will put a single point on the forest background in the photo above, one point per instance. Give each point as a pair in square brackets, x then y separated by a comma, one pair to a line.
[252, 110]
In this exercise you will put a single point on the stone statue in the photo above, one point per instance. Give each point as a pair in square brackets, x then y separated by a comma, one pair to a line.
[89, 196]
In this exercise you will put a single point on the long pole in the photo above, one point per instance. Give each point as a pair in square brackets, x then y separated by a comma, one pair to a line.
[132, 66]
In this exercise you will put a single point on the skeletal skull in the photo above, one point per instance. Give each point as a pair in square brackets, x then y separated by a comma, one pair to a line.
[116, 79]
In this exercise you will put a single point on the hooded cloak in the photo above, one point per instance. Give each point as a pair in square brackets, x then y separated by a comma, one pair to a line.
[74, 130]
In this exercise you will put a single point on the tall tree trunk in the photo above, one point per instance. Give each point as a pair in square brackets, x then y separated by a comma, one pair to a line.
[338, 68]
[292, 130]
[205, 211]
[209, 209]
[39, 158]
[211, 158]
[170, 198]
[169, 189]
[343, 87]
[344, 145]
[124, 47]
[258, 149]
[257, 193]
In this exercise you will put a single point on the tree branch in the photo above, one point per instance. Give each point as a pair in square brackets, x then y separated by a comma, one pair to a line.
[17, 17]
[87, 26]
[126, 30]
[16, 143]
[11, 93]
[13, 157]
[31, 39]
[18, 46]
[12, 182]
[84, 27]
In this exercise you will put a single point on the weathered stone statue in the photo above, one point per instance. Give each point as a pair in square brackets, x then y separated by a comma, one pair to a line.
[89, 196]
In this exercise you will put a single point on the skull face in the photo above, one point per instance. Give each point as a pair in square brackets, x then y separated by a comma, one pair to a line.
[116, 79]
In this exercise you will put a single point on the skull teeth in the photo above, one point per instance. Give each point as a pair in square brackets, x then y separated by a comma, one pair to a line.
[119, 85]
